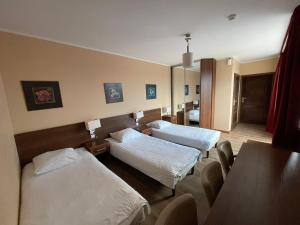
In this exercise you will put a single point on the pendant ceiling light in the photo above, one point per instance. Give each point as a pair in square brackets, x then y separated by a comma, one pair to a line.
[187, 58]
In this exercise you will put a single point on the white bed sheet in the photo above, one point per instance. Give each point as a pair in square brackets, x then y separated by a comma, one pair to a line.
[84, 192]
[164, 161]
[194, 115]
[200, 138]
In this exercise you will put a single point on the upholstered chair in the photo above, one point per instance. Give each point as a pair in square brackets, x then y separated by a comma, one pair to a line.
[226, 156]
[181, 211]
[212, 181]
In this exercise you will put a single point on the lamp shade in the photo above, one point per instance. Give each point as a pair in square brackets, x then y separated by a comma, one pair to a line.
[166, 109]
[187, 60]
[195, 102]
[92, 124]
[138, 115]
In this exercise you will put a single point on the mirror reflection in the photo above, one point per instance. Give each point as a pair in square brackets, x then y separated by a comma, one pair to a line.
[186, 95]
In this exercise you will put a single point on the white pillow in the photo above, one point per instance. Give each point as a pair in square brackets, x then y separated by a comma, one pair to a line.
[159, 124]
[125, 135]
[52, 160]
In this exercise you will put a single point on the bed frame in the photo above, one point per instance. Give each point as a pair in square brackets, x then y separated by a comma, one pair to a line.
[31, 144]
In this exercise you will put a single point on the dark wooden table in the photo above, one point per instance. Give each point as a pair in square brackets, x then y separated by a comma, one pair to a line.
[262, 188]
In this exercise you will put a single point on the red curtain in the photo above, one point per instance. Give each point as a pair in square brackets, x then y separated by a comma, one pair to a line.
[284, 112]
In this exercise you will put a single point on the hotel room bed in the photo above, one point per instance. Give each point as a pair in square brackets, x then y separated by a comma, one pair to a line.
[200, 138]
[84, 192]
[193, 115]
[164, 161]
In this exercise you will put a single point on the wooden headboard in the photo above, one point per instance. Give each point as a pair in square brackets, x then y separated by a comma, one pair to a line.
[33, 143]
[189, 106]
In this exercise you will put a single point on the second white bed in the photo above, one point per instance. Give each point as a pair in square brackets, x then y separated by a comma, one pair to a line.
[200, 138]
[164, 161]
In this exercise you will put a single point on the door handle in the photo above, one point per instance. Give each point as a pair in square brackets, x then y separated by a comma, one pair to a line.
[243, 99]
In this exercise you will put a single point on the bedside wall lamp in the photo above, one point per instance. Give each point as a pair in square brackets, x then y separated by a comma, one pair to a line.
[137, 116]
[166, 110]
[91, 126]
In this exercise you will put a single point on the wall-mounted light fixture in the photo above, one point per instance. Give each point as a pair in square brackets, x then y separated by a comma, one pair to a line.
[91, 126]
[137, 116]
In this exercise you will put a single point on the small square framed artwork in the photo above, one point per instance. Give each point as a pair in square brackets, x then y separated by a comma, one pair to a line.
[186, 89]
[113, 92]
[41, 95]
[197, 89]
[150, 91]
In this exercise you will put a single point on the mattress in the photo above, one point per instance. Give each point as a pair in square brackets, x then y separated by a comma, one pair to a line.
[200, 138]
[194, 115]
[164, 161]
[84, 192]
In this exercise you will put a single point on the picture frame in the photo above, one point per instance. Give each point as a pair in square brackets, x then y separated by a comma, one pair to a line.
[151, 91]
[41, 95]
[197, 89]
[186, 89]
[113, 92]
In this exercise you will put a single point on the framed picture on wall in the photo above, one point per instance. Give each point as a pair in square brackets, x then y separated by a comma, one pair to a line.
[197, 89]
[150, 91]
[41, 95]
[186, 89]
[113, 92]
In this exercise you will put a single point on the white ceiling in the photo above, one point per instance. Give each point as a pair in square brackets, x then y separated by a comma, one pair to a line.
[152, 29]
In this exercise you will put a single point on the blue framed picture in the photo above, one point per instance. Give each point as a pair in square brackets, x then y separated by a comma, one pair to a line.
[186, 89]
[113, 92]
[150, 91]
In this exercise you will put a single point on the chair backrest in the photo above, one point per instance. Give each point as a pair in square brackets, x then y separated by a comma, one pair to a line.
[182, 210]
[212, 181]
[225, 153]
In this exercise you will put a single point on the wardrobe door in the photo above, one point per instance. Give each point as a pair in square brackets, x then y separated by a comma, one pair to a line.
[207, 83]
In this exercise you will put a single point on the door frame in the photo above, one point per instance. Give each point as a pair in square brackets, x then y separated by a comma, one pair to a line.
[233, 124]
[250, 75]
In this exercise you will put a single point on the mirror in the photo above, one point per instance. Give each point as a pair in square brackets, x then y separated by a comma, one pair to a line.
[186, 95]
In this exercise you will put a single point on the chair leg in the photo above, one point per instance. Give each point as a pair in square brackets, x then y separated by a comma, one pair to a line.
[193, 170]
[173, 192]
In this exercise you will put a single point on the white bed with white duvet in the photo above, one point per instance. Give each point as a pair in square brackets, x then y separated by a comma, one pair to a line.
[193, 115]
[81, 192]
[164, 161]
[200, 138]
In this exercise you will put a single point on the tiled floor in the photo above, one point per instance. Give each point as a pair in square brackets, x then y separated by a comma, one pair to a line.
[159, 196]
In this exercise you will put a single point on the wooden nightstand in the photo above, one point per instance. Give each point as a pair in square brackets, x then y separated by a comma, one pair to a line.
[144, 129]
[170, 118]
[97, 147]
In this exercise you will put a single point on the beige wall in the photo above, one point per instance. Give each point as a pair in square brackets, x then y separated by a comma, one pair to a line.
[81, 74]
[9, 166]
[262, 66]
[223, 95]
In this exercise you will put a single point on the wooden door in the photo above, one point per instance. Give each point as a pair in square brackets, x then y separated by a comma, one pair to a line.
[255, 100]
[235, 101]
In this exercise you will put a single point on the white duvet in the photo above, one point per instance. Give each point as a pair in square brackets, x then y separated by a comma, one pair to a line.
[164, 161]
[200, 138]
[194, 115]
[82, 193]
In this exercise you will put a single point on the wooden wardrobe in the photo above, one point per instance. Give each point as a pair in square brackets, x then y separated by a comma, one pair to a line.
[207, 91]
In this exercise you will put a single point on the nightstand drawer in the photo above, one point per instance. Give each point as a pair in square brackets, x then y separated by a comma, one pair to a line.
[147, 131]
[101, 150]
[97, 147]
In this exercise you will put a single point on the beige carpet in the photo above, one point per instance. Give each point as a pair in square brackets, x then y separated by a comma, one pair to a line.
[159, 196]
